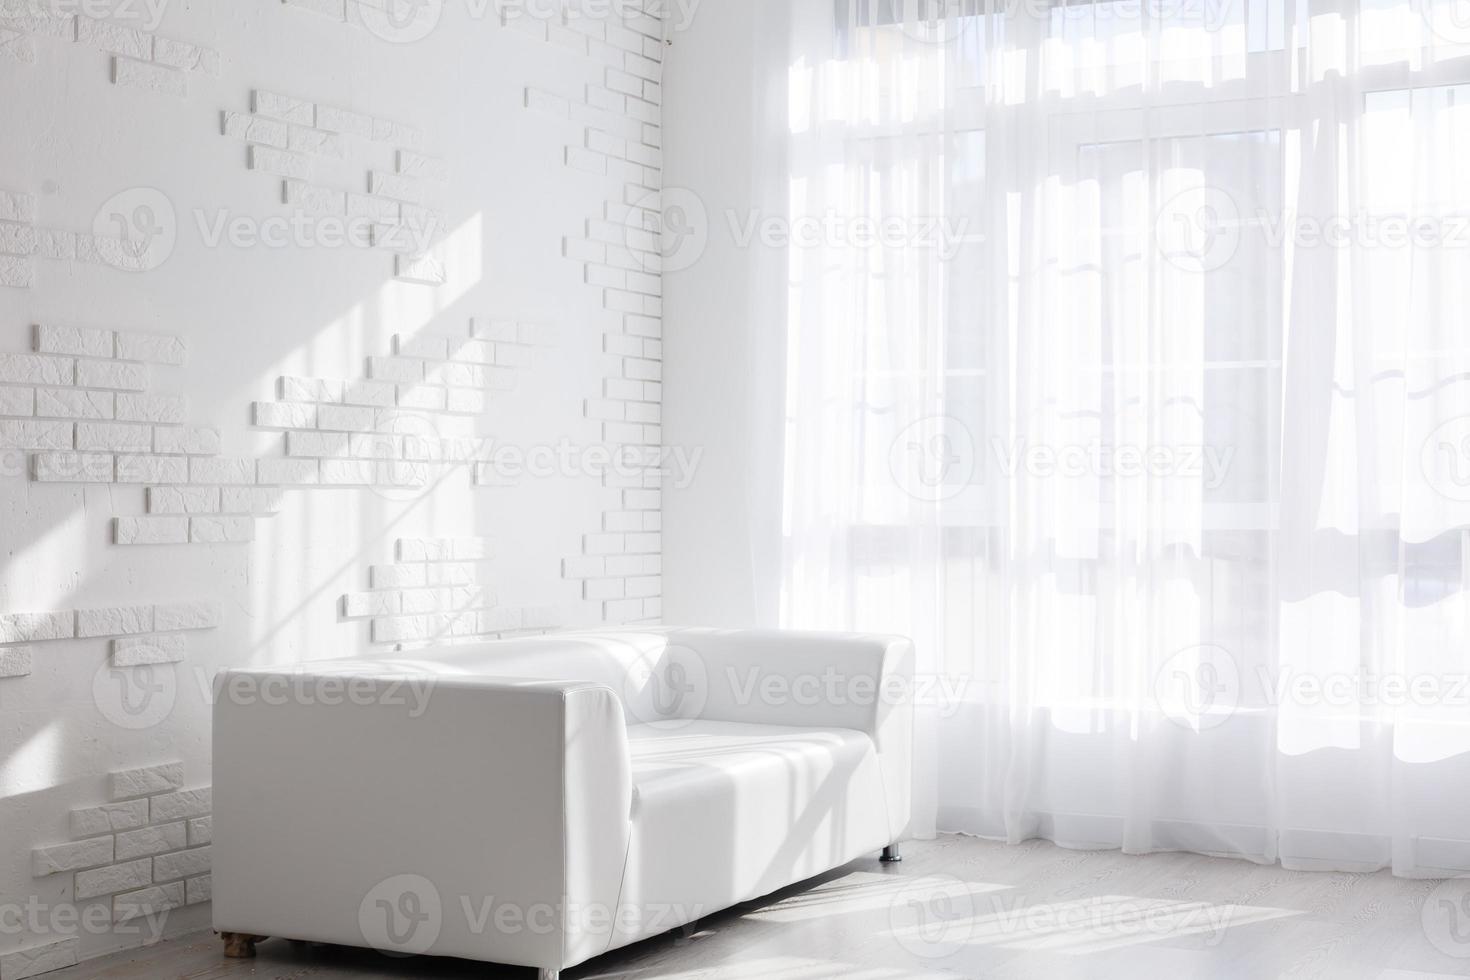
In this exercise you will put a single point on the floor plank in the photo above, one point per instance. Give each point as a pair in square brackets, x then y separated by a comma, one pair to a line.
[959, 907]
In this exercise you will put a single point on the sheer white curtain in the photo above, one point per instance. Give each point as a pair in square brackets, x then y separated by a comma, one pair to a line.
[1127, 369]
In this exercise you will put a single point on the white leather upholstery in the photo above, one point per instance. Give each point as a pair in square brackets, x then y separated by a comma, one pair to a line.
[725, 812]
[602, 787]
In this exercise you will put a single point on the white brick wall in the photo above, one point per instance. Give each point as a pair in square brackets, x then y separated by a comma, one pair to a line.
[34, 627]
[36, 369]
[138, 651]
[149, 77]
[152, 469]
[130, 783]
[108, 818]
[79, 341]
[147, 842]
[111, 437]
[153, 348]
[32, 961]
[119, 376]
[618, 141]
[141, 849]
[16, 661]
[151, 530]
[118, 621]
[184, 500]
[73, 403]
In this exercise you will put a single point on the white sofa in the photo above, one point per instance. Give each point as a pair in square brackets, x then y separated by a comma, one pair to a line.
[538, 802]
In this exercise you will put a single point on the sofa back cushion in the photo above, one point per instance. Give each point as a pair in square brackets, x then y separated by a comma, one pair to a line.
[642, 668]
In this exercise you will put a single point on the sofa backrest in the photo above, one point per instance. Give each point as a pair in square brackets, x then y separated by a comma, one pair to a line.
[636, 665]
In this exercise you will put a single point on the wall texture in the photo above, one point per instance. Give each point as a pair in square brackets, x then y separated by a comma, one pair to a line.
[726, 114]
[322, 329]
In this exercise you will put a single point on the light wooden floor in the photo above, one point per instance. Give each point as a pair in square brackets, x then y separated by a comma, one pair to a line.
[959, 907]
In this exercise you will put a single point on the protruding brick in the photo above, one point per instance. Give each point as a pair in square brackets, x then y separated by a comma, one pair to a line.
[36, 627]
[224, 470]
[347, 418]
[116, 375]
[150, 841]
[199, 890]
[148, 781]
[179, 806]
[16, 661]
[38, 369]
[113, 437]
[249, 500]
[116, 621]
[162, 409]
[153, 348]
[138, 651]
[201, 831]
[186, 440]
[148, 901]
[411, 164]
[115, 38]
[342, 121]
[317, 444]
[78, 341]
[254, 129]
[288, 472]
[17, 272]
[148, 76]
[183, 500]
[114, 878]
[152, 469]
[186, 57]
[184, 864]
[36, 960]
[73, 468]
[399, 134]
[444, 549]
[71, 857]
[18, 401]
[50, 436]
[425, 269]
[74, 403]
[109, 818]
[283, 107]
[270, 160]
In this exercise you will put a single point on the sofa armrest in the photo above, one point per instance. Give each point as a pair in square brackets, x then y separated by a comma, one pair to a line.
[813, 680]
[502, 805]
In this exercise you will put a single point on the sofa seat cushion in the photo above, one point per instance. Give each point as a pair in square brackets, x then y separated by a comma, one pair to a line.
[701, 757]
[725, 812]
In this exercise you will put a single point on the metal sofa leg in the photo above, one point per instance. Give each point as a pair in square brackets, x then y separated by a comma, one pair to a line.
[891, 855]
[548, 974]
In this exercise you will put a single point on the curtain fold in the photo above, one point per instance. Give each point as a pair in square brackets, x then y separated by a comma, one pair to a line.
[1126, 368]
